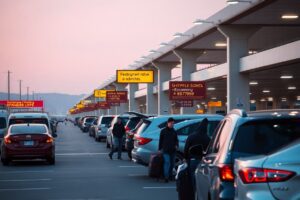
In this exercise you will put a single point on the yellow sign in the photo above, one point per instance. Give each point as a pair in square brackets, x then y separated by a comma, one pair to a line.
[200, 111]
[85, 102]
[214, 104]
[100, 93]
[135, 76]
[78, 106]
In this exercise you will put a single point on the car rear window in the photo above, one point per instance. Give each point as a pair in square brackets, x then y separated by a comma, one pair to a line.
[164, 124]
[131, 124]
[265, 136]
[106, 120]
[15, 130]
[2, 122]
[143, 127]
[89, 120]
[29, 121]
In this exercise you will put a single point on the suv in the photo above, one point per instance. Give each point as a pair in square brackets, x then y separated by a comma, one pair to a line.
[147, 136]
[102, 127]
[242, 135]
[3, 122]
[87, 122]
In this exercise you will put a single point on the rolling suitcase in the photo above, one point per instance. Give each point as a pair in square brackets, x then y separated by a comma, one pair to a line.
[156, 166]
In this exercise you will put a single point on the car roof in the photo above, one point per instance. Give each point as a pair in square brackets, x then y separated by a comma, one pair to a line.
[192, 121]
[177, 116]
[25, 124]
[28, 115]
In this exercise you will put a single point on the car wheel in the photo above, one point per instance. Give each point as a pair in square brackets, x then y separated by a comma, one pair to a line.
[51, 161]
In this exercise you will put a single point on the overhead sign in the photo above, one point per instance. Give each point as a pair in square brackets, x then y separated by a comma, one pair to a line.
[23, 104]
[214, 104]
[187, 90]
[78, 106]
[184, 103]
[101, 93]
[135, 76]
[116, 96]
[113, 104]
[103, 105]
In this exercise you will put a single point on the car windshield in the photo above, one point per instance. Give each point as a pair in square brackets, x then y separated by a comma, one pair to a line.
[27, 129]
[106, 120]
[2, 122]
[265, 136]
[29, 121]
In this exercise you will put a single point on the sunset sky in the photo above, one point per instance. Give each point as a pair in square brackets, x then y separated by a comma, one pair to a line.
[71, 46]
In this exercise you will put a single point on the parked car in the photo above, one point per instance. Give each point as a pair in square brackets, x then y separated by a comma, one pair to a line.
[3, 123]
[101, 129]
[93, 127]
[28, 141]
[109, 138]
[242, 135]
[31, 118]
[147, 136]
[86, 123]
[76, 121]
[274, 176]
[131, 127]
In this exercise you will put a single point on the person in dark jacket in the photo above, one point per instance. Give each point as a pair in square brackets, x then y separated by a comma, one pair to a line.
[200, 137]
[168, 145]
[118, 132]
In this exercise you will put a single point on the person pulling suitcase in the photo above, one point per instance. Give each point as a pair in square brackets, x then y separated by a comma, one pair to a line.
[168, 145]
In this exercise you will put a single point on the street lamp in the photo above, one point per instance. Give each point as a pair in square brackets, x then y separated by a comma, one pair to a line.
[163, 44]
[177, 35]
[154, 51]
[201, 21]
[238, 1]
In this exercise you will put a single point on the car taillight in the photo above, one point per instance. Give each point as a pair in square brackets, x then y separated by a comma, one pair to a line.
[259, 175]
[127, 128]
[49, 140]
[142, 140]
[226, 173]
[7, 140]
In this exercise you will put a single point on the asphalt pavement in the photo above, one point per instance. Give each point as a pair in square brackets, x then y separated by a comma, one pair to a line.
[82, 171]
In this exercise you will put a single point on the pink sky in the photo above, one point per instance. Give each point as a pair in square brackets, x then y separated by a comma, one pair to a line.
[70, 46]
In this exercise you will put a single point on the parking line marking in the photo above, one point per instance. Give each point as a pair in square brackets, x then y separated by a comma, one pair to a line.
[133, 175]
[26, 180]
[15, 172]
[165, 187]
[23, 189]
[79, 154]
[130, 166]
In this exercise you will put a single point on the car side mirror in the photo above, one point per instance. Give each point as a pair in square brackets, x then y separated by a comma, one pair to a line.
[196, 151]
[54, 135]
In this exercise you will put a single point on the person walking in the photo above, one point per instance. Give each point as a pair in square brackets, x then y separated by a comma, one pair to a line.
[168, 145]
[118, 133]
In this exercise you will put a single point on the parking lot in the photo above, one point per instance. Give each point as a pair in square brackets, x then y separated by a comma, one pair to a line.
[82, 171]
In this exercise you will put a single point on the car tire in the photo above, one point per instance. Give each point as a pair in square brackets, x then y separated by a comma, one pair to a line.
[51, 161]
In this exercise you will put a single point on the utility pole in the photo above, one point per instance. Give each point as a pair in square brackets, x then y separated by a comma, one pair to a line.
[8, 85]
[20, 85]
[27, 93]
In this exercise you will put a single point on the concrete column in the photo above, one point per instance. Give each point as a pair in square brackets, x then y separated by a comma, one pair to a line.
[151, 99]
[188, 62]
[133, 104]
[123, 106]
[164, 74]
[237, 83]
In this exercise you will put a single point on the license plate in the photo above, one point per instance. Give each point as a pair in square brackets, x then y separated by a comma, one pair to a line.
[28, 143]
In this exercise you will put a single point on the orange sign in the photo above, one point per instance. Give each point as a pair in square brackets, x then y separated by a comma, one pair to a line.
[200, 111]
[214, 104]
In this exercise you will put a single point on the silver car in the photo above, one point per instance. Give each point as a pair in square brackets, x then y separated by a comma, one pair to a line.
[102, 126]
[276, 176]
[147, 136]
